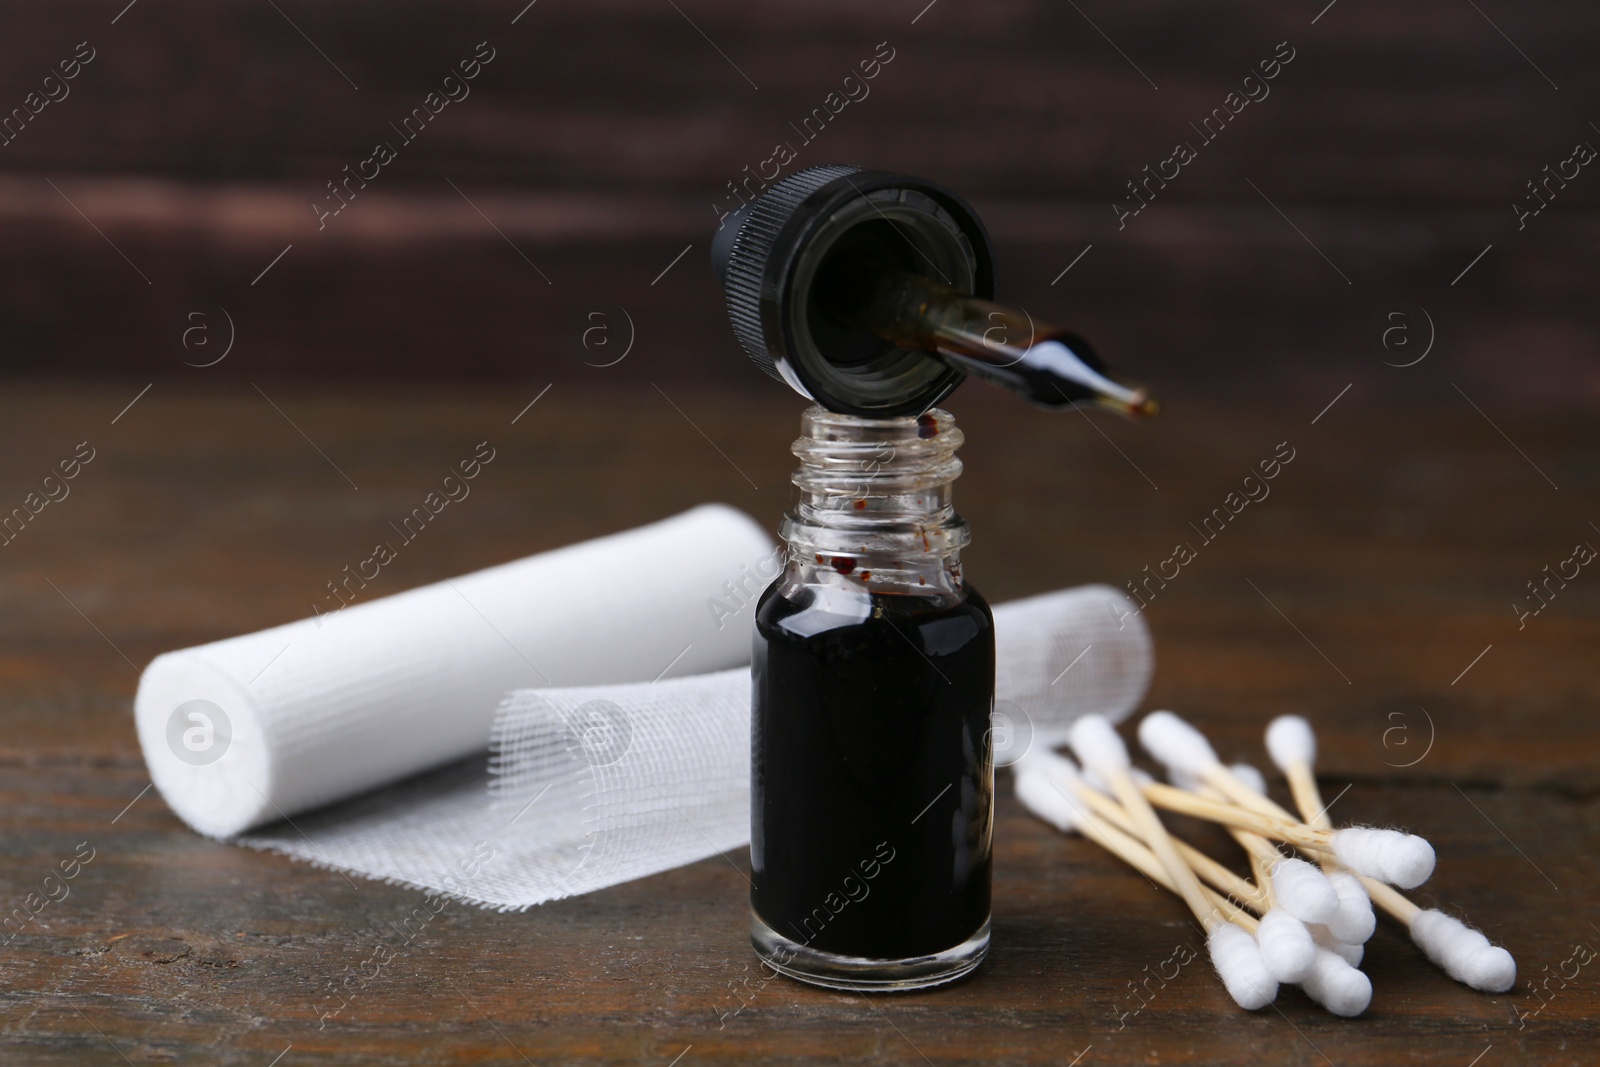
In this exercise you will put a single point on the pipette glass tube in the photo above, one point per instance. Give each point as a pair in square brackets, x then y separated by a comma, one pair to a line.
[1002, 345]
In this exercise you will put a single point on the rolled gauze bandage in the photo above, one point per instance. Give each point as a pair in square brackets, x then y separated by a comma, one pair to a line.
[590, 786]
[253, 729]
[597, 678]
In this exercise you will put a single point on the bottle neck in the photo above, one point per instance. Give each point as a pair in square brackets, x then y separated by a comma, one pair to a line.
[875, 501]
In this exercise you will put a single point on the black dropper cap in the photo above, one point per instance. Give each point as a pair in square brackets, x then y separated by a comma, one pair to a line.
[779, 255]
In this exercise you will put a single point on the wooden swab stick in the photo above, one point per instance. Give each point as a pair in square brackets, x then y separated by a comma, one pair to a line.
[1101, 750]
[1300, 896]
[1047, 784]
[1330, 981]
[1234, 953]
[1186, 753]
[1398, 858]
[1209, 870]
[1296, 886]
[1289, 831]
[1044, 797]
[1064, 776]
[1260, 866]
[1395, 857]
[1293, 748]
[1287, 947]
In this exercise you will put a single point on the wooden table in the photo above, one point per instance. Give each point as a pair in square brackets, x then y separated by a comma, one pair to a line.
[1372, 591]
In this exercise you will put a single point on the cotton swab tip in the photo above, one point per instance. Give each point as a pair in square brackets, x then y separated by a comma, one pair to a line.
[1237, 958]
[1040, 796]
[1290, 742]
[1354, 922]
[1337, 986]
[1303, 891]
[1350, 953]
[1286, 946]
[1390, 856]
[1465, 954]
[1494, 971]
[1048, 761]
[1249, 777]
[1175, 743]
[1097, 744]
[1099, 782]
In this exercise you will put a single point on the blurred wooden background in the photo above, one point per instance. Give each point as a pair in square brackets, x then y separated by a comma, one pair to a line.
[601, 134]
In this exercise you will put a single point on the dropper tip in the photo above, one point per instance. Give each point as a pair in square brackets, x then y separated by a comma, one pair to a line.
[1132, 402]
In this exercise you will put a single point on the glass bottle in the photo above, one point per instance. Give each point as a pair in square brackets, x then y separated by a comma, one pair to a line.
[872, 776]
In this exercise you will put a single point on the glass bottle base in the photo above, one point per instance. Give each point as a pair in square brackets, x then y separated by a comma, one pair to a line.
[861, 974]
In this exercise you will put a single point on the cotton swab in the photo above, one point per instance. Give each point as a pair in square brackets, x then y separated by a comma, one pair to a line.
[1390, 855]
[1046, 784]
[1298, 887]
[1066, 778]
[1287, 947]
[1285, 937]
[1349, 952]
[1280, 941]
[1301, 889]
[1460, 951]
[1041, 796]
[1237, 958]
[1285, 944]
[1102, 753]
[1465, 954]
[1337, 985]
[1387, 855]
[1293, 748]
[1249, 777]
[1183, 750]
[1234, 953]
[1353, 922]
[1290, 742]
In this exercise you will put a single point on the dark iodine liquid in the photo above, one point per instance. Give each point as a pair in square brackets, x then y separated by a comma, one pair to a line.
[872, 776]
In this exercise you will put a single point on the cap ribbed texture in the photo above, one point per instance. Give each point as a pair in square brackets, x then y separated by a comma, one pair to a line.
[747, 262]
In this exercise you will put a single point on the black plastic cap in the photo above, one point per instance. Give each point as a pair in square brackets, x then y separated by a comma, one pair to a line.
[722, 242]
[768, 256]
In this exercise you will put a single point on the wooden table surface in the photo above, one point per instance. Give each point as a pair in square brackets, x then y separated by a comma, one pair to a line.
[1373, 591]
